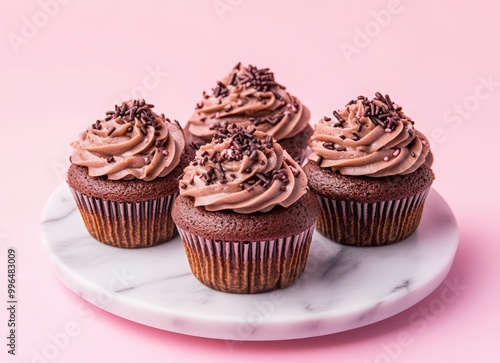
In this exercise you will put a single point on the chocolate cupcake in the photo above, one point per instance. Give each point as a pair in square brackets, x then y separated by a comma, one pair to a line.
[371, 171]
[244, 213]
[250, 97]
[123, 175]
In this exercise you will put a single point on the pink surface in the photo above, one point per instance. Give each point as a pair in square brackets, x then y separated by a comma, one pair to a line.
[63, 63]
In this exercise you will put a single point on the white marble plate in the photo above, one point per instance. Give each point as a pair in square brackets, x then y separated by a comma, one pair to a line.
[342, 287]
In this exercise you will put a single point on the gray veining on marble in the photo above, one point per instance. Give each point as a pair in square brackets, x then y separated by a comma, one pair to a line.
[342, 287]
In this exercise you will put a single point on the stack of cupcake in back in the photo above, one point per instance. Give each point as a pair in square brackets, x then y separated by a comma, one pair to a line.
[250, 97]
[244, 213]
[371, 171]
[123, 175]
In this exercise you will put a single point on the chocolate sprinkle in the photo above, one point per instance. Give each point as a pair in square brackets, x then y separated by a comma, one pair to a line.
[232, 79]
[385, 116]
[340, 118]
[111, 130]
[329, 145]
[260, 79]
[138, 111]
[220, 91]
[360, 126]
[389, 103]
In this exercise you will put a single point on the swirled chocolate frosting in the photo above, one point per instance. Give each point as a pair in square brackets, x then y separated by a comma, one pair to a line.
[249, 97]
[369, 138]
[244, 170]
[131, 142]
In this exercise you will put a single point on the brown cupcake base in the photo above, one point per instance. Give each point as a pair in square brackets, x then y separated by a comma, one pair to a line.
[247, 253]
[370, 224]
[127, 213]
[247, 267]
[365, 211]
[226, 225]
[127, 224]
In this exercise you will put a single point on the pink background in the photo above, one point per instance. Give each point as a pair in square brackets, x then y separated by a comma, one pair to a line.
[64, 63]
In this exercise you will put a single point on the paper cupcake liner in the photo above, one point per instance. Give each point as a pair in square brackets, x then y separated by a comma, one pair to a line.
[127, 225]
[370, 224]
[247, 267]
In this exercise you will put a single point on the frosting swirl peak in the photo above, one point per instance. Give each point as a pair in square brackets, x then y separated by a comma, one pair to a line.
[131, 142]
[244, 170]
[249, 97]
[369, 138]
